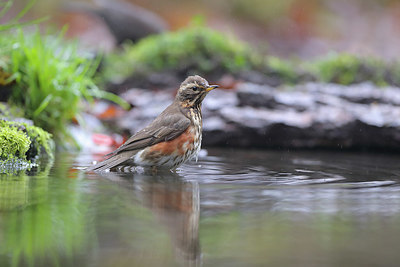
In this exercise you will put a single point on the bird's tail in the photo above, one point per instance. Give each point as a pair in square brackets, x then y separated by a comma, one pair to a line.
[111, 162]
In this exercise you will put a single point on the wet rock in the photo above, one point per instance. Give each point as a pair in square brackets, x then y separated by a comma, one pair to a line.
[219, 99]
[256, 96]
[314, 115]
[311, 115]
[146, 105]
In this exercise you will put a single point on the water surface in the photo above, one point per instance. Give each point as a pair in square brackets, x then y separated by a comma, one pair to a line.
[231, 208]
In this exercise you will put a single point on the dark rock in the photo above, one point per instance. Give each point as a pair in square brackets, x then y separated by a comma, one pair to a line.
[256, 96]
[126, 21]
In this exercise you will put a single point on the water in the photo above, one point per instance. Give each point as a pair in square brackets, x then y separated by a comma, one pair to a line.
[231, 208]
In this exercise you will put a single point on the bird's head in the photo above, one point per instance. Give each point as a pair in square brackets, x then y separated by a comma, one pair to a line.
[193, 90]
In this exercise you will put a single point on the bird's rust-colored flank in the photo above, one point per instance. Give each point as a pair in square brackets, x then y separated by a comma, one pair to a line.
[171, 139]
[178, 145]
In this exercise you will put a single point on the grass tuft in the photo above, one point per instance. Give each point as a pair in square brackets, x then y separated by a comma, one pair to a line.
[49, 79]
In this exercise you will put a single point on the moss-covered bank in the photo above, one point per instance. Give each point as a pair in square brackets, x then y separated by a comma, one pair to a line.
[200, 50]
[343, 68]
[192, 50]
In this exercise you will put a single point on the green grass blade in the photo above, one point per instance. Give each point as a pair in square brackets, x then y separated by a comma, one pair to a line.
[43, 105]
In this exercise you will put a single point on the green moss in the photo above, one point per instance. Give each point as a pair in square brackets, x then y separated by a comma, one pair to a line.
[282, 68]
[50, 79]
[338, 68]
[193, 49]
[24, 141]
[13, 142]
[347, 69]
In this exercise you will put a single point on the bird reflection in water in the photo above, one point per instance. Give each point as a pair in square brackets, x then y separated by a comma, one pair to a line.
[176, 205]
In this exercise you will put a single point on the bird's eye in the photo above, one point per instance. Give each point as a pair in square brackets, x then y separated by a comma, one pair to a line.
[195, 88]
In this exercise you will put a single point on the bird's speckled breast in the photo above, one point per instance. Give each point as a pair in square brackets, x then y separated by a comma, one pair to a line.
[198, 127]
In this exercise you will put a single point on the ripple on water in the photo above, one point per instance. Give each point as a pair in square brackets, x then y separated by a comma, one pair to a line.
[297, 182]
[306, 182]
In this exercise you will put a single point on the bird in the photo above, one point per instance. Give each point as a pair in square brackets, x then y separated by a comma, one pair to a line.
[171, 139]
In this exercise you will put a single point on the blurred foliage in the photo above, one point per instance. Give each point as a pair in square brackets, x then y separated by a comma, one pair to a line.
[193, 49]
[50, 79]
[347, 69]
[286, 70]
[337, 68]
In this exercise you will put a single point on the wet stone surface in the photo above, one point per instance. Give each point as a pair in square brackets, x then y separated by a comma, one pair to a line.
[310, 115]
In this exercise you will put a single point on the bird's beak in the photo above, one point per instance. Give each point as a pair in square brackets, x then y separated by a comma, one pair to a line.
[212, 87]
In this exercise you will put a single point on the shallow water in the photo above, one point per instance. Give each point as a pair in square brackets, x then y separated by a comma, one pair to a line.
[231, 208]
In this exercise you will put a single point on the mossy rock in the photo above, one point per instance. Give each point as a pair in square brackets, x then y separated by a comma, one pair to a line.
[13, 141]
[193, 50]
[348, 69]
[21, 143]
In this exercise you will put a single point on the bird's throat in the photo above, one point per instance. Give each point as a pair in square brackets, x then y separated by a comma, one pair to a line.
[194, 114]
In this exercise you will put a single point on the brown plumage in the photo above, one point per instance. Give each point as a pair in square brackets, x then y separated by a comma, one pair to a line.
[171, 139]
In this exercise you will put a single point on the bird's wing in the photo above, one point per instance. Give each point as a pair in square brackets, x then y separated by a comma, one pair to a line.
[161, 129]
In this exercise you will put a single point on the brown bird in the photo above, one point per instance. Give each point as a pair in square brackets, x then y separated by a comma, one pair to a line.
[171, 139]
